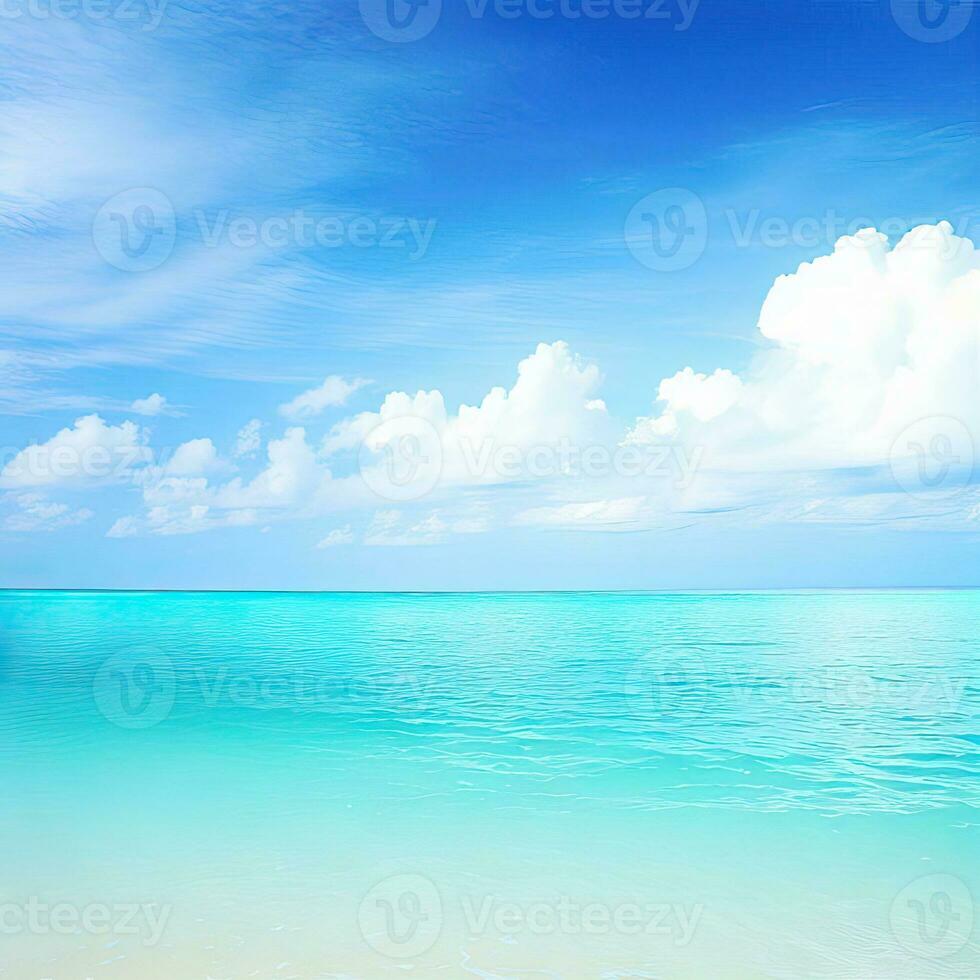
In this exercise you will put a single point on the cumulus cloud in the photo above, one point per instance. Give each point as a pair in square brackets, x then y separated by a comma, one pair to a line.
[179, 498]
[862, 345]
[192, 458]
[704, 397]
[863, 396]
[290, 476]
[551, 406]
[154, 404]
[334, 392]
[249, 439]
[89, 452]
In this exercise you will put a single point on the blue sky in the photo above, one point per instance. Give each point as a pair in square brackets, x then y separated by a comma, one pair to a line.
[306, 200]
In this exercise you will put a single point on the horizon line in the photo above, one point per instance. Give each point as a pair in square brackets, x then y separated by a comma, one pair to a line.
[581, 591]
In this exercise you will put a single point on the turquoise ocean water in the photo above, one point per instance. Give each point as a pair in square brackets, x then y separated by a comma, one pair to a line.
[500, 786]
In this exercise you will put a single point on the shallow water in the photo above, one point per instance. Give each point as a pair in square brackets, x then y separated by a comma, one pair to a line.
[557, 785]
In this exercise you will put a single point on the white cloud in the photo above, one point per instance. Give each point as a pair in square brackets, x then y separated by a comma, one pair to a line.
[35, 513]
[624, 513]
[332, 393]
[288, 480]
[249, 439]
[860, 347]
[90, 452]
[704, 397]
[179, 499]
[192, 458]
[154, 404]
[337, 537]
[552, 403]
[864, 343]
